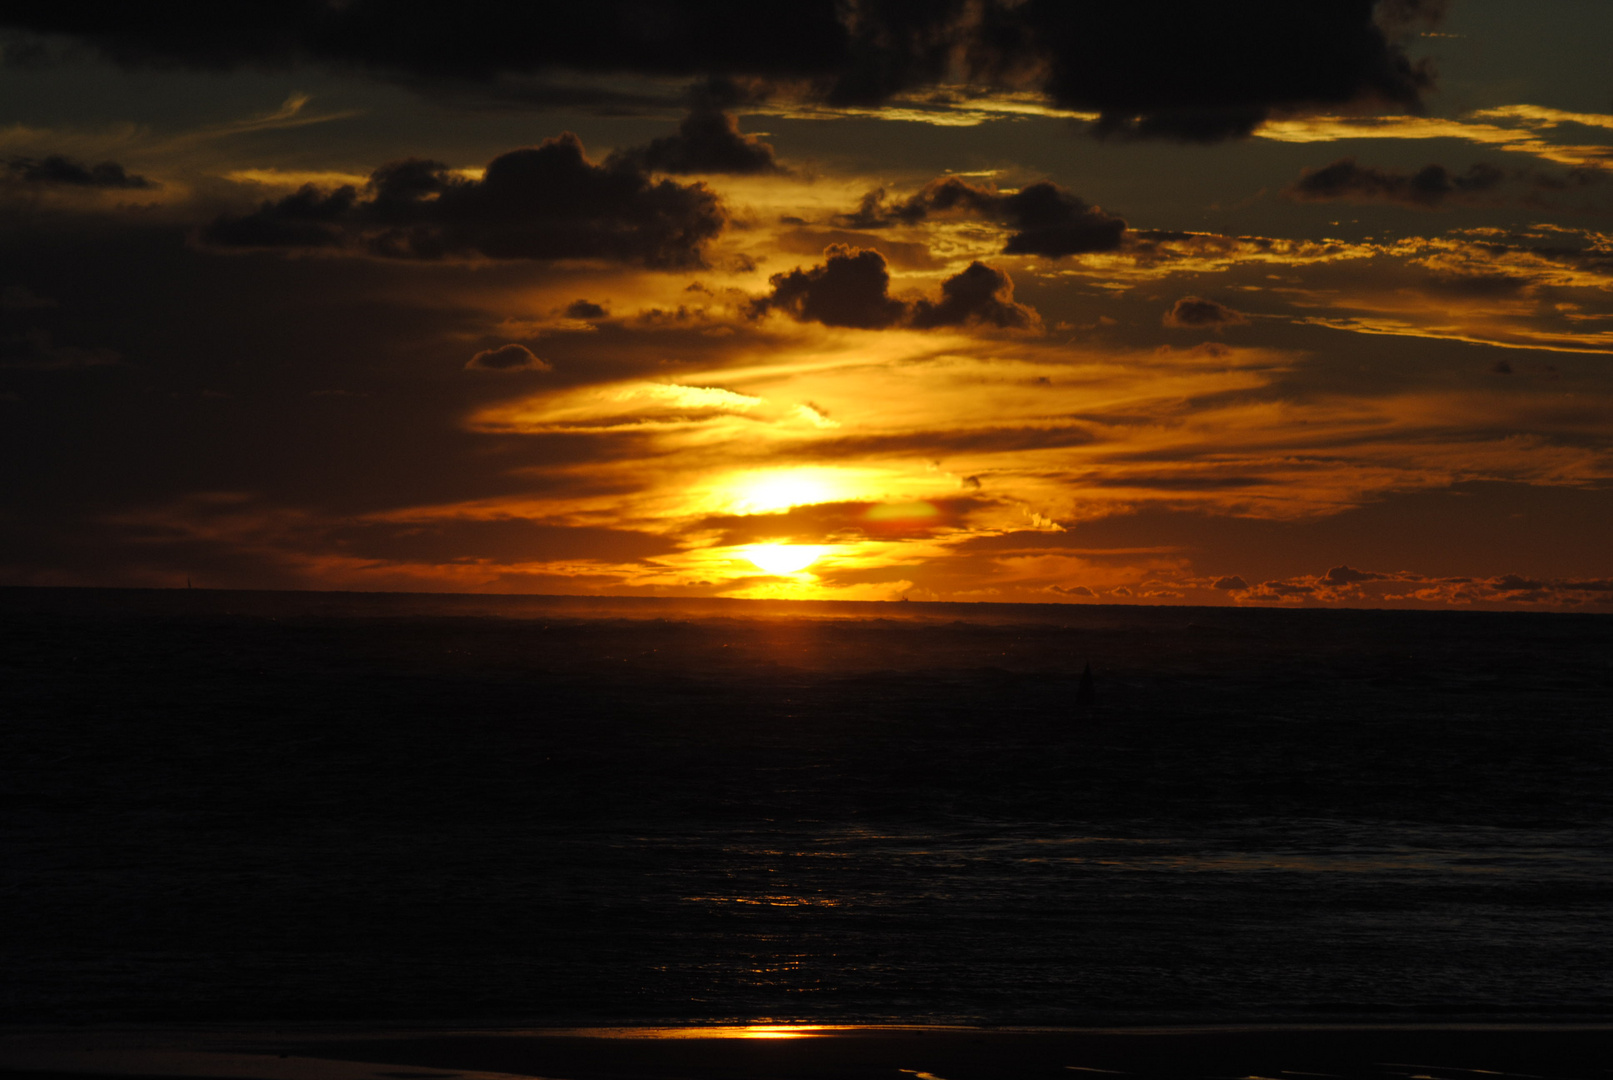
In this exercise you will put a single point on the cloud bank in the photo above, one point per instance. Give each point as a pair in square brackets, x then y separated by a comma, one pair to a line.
[852, 289]
[1430, 187]
[1149, 68]
[544, 202]
[1045, 219]
[57, 170]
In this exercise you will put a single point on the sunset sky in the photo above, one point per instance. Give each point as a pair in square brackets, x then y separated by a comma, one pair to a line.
[1045, 301]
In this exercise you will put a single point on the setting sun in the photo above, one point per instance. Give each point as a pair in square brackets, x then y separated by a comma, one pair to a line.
[949, 539]
[967, 333]
[780, 489]
[784, 558]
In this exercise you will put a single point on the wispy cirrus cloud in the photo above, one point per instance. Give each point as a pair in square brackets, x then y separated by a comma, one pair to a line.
[1520, 129]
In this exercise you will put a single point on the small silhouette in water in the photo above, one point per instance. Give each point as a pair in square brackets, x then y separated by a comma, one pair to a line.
[1085, 695]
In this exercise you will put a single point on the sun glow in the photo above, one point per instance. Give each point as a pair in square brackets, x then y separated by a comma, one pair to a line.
[784, 559]
[779, 489]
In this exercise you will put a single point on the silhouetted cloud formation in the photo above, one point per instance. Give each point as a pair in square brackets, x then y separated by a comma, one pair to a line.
[1150, 67]
[1047, 219]
[1577, 178]
[1053, 222]
[511, 357]
[59, 171]
[1203, 72]
[585, 309]
[979, 294]
[1431, 186]
[852, 288]
[542, 202]
[1349, 575]
[1195, 311]
[708, 141]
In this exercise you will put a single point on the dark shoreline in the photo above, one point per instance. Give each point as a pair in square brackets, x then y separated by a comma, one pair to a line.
[310, 602]
[1395, 1052]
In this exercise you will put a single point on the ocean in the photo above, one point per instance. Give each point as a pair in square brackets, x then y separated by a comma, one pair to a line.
[232, 807]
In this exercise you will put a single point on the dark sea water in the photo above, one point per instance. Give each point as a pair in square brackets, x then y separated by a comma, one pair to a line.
[237, 807]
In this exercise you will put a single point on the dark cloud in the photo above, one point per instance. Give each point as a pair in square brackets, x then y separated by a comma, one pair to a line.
[1053, 222]
[981, 295]
[1233, 583]
[1430, 187]
[478, 41]
[852, 288]
[1516, 583]
[542, 202]
[871, 212]
[708, 141]
[1150, 67]
[1046, 219]
[1195, 311]
[1279, 590]
[511, 357]
[310, 218]
[1588, 585]
[1204, 72]
[1349, 575]
[1580, 176]
[585, 309]
[59, 171]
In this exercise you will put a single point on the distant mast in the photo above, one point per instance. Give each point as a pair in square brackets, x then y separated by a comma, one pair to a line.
[1085, 695]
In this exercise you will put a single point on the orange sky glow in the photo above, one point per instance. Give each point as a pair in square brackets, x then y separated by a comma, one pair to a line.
[950, 345]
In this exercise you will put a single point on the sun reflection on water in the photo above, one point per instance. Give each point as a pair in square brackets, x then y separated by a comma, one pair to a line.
[729, 1031]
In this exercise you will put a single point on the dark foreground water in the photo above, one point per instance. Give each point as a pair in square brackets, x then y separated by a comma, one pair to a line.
[250, 807]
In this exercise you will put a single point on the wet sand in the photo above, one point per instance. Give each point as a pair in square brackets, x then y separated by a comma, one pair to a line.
[1453, 1052]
